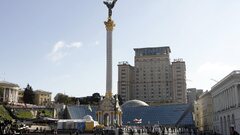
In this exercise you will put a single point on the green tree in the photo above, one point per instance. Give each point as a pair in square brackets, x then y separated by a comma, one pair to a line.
[95, 99]
[28, 95]
[61, 98]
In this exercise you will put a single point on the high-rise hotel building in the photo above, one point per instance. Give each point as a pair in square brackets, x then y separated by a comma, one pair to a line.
[153, 79]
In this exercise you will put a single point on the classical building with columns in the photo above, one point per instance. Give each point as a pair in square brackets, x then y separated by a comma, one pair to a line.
[8, 92]
[226, 103]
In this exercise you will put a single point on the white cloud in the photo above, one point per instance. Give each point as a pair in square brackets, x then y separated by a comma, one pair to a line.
[74, 45]
[62, 49]
[215, 68]
[96, 42]
[207, 73]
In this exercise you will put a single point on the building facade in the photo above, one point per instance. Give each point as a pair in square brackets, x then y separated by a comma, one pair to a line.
[226, 103]
[154, 79]
[20, 96]
[204, 113]
[152, 75]
[9, 92]
[42, 98]
[196, 114]
[193, 95]
[125, 80]
[179, 81]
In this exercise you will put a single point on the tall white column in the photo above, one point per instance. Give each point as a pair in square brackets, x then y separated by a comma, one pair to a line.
[109, 62]
[109, 27]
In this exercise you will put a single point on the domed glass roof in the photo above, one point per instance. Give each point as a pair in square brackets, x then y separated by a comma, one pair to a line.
[134, 103]
[88, 118]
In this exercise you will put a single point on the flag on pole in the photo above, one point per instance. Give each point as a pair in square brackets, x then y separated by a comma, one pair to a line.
[138, 121]
[89, 108]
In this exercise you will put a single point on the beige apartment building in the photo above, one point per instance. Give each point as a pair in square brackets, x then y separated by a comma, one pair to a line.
[203, 113]
[42, 98]
[179, 81]
[196, 115]
[152, 77]
[125, 80]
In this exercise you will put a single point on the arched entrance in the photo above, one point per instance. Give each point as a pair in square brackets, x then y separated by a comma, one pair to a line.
[106, 119]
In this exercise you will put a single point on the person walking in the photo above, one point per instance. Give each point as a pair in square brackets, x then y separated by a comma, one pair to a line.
[233, 131]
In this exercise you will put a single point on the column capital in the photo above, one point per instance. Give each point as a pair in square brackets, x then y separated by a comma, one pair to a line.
[109, 24]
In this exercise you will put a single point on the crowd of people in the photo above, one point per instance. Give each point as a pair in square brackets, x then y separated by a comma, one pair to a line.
[8, 127]
[159, 130]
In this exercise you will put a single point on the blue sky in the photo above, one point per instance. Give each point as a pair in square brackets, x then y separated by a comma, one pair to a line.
[59, 45]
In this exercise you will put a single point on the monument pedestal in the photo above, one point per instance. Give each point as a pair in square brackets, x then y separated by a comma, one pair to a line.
[109, 112]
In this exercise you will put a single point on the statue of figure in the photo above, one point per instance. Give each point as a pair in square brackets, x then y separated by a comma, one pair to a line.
[110, 6]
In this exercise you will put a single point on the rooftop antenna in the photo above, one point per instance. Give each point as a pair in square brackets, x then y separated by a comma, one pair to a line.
[3, 76]
[214, 80]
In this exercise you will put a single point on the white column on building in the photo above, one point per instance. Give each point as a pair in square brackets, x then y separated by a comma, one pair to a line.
[4, 94]
[228, 103]
[226, 90]
[230, 96]
[214, 107]
[233, 96]
[221, 103]
[223, 98]
[226, 99]
[10, 95]
[217, 103]
[229, 99]
[236, 95]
